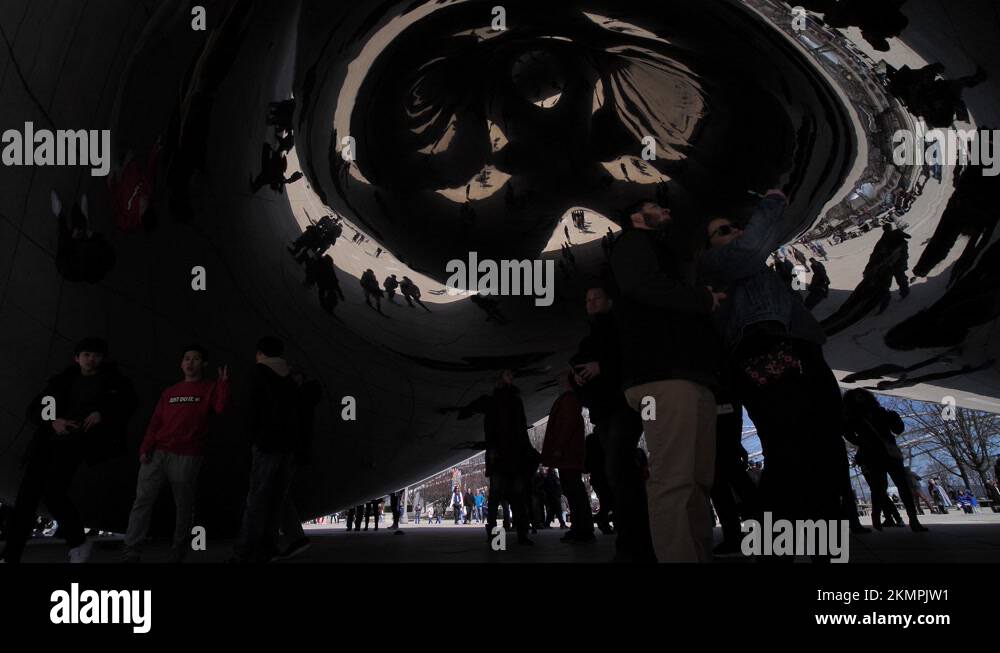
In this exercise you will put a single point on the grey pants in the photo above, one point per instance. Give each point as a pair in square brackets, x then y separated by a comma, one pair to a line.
[182, 474]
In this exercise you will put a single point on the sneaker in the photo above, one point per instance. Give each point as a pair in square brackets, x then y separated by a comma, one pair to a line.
[917, 527]
[80, 554]
[525, 541]
[294, 549]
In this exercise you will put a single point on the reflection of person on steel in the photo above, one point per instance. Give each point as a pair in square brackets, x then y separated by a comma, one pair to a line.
[273, 164]
[132, 191]
[370, 285]
[81, 254]
[411, 292]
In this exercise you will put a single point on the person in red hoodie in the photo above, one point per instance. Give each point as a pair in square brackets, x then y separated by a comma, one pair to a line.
[565, 450]
[173, 450]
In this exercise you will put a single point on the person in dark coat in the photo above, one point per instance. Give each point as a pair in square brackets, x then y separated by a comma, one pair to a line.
[81, 416]
[873, 429]
[617, 428]
[565, 449]
[278, 429]
[510, 458]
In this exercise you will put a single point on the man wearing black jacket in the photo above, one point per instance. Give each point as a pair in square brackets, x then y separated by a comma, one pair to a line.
[597, 367]
[278, 428]
[873, 429]
[87, 423]
[510, 458]
[670, 356]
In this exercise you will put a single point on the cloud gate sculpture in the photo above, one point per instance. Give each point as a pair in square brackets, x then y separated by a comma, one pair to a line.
[395, 138]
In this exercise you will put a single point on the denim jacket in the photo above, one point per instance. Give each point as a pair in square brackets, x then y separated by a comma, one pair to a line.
[755, 292]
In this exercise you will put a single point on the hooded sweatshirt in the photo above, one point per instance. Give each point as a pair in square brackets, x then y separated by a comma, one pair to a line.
[183, 417]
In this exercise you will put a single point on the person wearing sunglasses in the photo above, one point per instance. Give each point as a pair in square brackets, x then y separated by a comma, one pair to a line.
[774, 346]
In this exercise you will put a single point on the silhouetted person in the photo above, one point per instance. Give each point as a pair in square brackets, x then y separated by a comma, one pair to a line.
[395, 507]
[273, 164]
[328, 285]
[93, 404]
[888, 260]
[411, 293]
[894, 251]
[819, 285]
[280, 113]
[369, 284]
[785, 269]
[670, 352]
[564, 448]
[938, 101]
[310, 240]
[970, 212]
[391, 284]
[371, 510]
[509, 454]
[470, 503]
[277, 427]
[81, 254]
[873, 429]
[598, 379]
[457, 503]
[777, 367]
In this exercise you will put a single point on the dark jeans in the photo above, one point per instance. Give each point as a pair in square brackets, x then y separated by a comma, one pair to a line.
[394, 504]
[268, 507]
[799, 422]
[50, 471]
[508, 488]
[619, 434]
[579, 502]
[881, 503]
[371, 511]
[848, 500]
[731, 476]
[597, 464]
